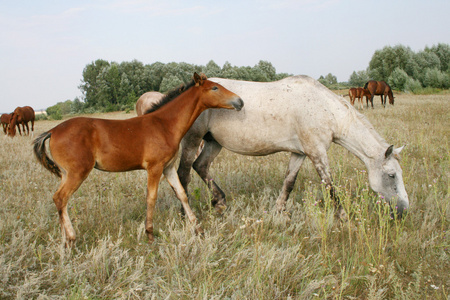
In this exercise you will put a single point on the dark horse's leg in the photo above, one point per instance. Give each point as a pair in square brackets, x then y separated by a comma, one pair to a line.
[383, 100]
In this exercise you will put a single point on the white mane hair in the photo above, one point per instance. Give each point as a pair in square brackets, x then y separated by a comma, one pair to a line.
[355, 116]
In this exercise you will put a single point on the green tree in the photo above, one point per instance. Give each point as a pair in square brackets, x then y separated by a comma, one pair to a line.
[384, 61]
[413, 85]
[169, 83]
[77, 106]
[155, 71]
[212, 69]
[398, 79]
[358, 79]
[442, 51]
[89, 84]
[264, 71]
[328, 80]
[436, 79]
[228, 71]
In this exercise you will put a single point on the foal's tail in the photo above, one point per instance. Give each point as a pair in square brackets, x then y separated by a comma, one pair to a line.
[41, 154]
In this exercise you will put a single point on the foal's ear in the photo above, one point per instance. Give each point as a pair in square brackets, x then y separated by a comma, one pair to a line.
[198, 79]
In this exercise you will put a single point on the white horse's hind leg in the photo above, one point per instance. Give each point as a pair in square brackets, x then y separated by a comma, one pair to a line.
[295, 163]
[190, 148]
[202, 164]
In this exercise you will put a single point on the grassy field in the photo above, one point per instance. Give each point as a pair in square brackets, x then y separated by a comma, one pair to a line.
[250, 252]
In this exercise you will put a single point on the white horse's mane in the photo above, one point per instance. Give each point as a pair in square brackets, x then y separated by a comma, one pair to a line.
[352, 116]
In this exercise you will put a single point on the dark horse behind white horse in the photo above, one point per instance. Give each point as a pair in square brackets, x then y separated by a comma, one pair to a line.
[297, 115]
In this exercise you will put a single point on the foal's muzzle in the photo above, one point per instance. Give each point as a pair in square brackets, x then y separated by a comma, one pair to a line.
[238, 104]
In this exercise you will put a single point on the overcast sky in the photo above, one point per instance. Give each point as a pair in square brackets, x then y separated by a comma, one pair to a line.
[44, 45]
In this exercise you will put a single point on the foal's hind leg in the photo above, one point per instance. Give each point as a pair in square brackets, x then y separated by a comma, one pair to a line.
[295, 163]
[69, 184]
[202, 164]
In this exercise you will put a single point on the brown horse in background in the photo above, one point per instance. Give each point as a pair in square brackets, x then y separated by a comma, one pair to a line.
[21, 115]
[379, 88]
[148, 142]
[5, 120]
[358, 93]
[146, 101]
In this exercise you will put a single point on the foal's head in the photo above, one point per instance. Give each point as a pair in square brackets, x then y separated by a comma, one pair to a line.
[210, 94]
[214, 95]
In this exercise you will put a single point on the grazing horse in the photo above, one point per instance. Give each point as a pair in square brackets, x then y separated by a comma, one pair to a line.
[297, 115]
[5, 120]
[21, 115]
[146, 102]
[358, 93]
[379, 88]
[148, 142]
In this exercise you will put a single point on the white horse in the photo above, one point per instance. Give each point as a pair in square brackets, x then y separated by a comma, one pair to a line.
[146, 102]
[298, 115]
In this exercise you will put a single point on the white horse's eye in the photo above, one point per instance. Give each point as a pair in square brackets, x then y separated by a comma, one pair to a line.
[392, 175]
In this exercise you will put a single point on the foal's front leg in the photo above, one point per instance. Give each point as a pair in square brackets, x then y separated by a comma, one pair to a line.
[152, 194]
[172, 177]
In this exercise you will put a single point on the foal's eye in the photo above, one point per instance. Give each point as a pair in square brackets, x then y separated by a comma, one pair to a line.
[215, 88]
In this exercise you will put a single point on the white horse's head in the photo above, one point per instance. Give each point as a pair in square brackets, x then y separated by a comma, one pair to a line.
[386, 178]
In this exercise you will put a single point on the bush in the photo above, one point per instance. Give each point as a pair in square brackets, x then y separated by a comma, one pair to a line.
[398, 79]
[413, 86]
[436, 79]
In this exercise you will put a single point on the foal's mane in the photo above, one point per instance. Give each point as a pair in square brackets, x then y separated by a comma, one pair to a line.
[170, 96]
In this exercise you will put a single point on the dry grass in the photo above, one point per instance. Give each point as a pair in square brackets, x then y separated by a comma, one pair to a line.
[250, 252]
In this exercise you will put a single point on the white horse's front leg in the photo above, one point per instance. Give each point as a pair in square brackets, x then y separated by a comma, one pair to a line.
[320, 161]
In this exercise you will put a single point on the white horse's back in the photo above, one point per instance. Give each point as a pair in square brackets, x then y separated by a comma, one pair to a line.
[278, 116]
[146, 101]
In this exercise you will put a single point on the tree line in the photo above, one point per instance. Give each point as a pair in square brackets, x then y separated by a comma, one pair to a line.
[110, 86]
[406, 70]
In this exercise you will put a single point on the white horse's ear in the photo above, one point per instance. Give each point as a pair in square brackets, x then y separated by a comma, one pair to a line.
[389, 151]
[398, 150]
